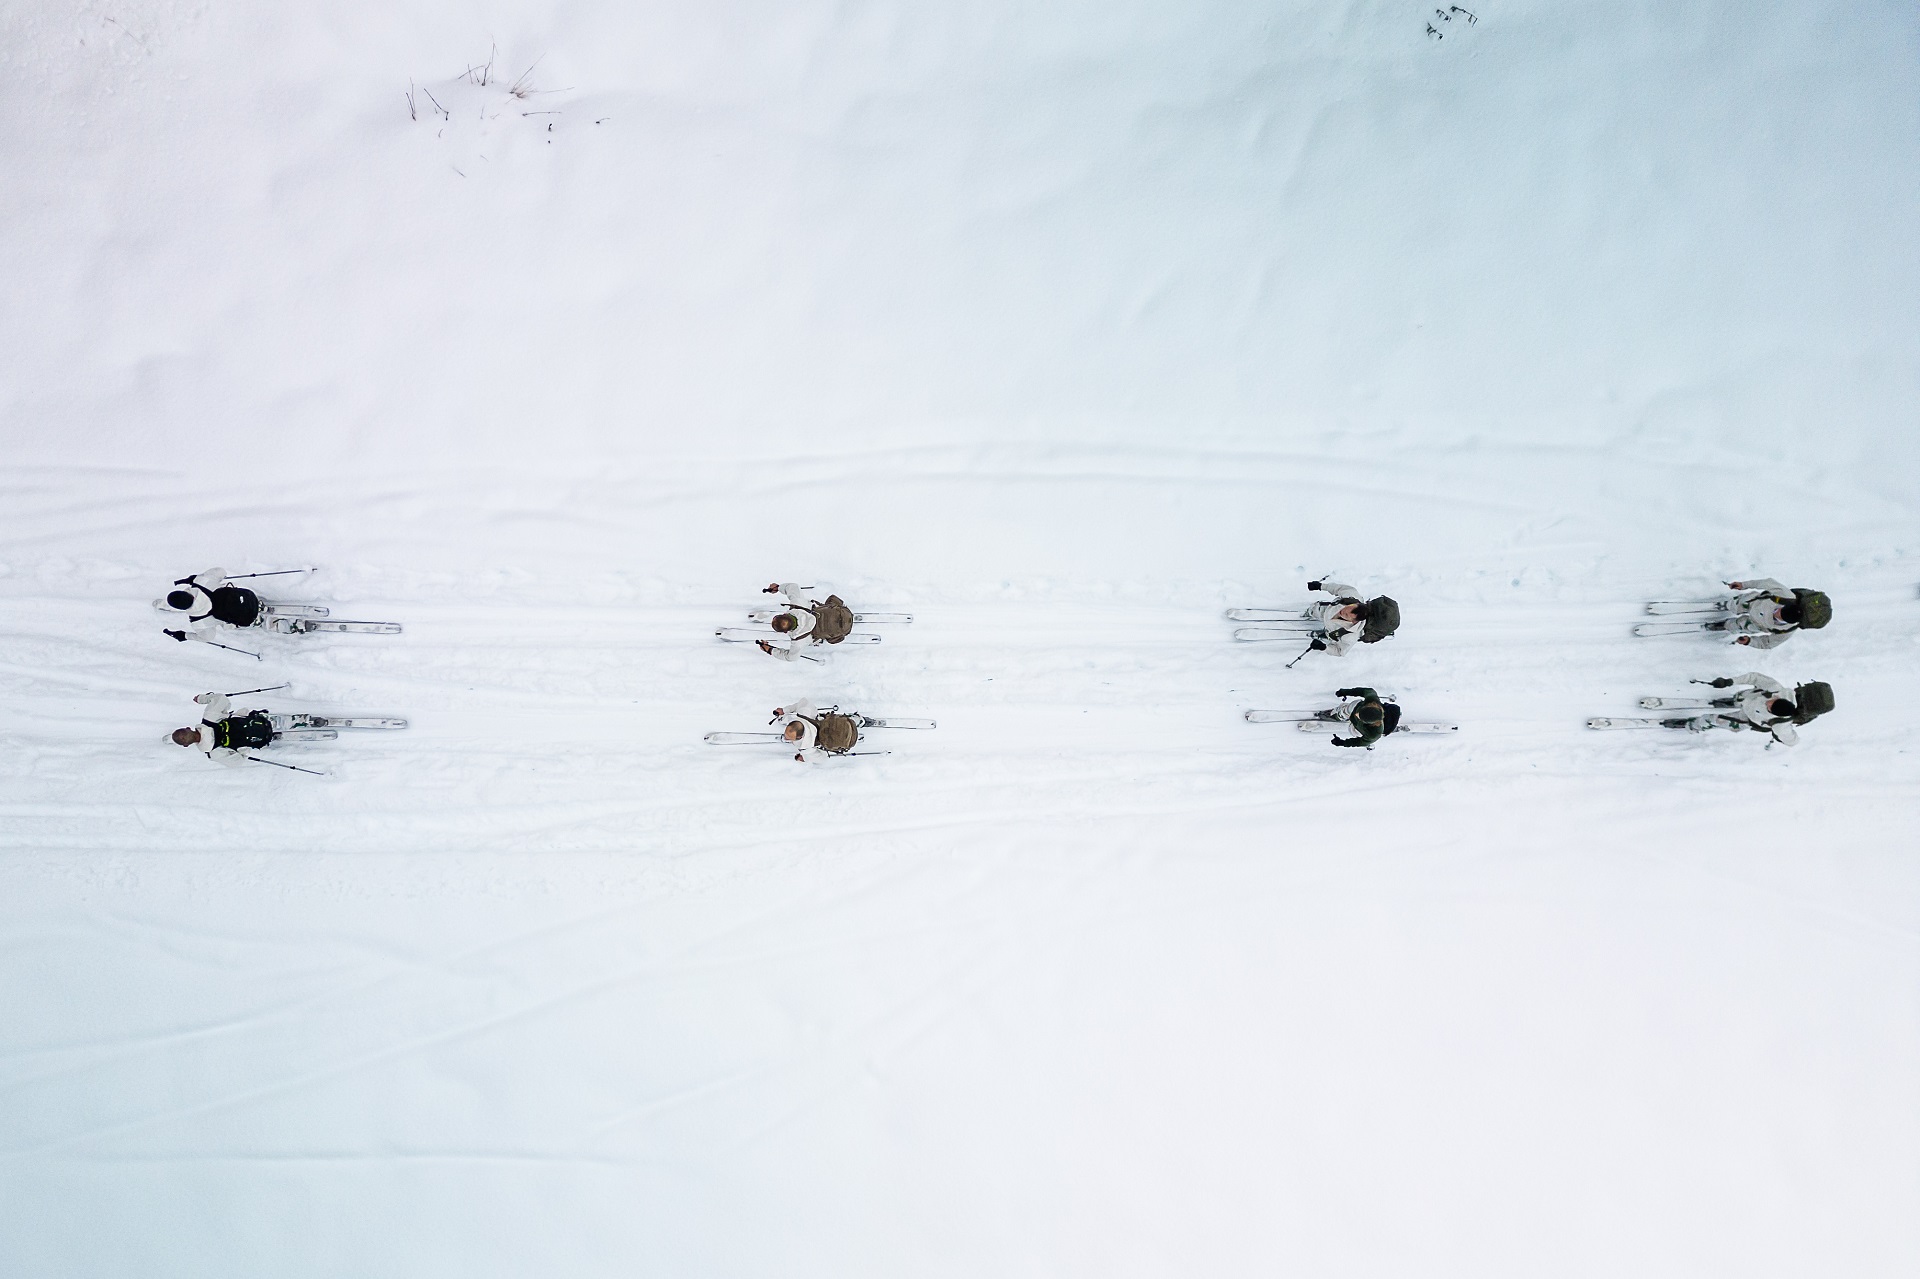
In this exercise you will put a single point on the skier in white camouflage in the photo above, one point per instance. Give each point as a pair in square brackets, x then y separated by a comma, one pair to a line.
[1763, 705]
[805, 622]
[1347, 620]
[817, 735]
[1764, 614]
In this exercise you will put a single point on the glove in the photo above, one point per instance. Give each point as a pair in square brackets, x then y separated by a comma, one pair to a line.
[1744, 639]
[1346, 741]
[1738, 586]
[1313, 586]
[772, 589]
[765, 647]
[204, 698]
[1346, 692]
[181, 636]
[1318, 646]
[1722, 682]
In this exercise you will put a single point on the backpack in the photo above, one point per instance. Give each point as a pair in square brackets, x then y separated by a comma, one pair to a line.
[1383, 619]
[1812, 700]
[1816, 610]
[835, 734]
[1392, 720]
[832, 621]
[235, 605]
[237, 732]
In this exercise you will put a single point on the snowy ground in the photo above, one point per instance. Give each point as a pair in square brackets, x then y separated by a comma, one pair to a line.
[1065, 327]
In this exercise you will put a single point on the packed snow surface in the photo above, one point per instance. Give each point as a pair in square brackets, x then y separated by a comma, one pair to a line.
[556, 330]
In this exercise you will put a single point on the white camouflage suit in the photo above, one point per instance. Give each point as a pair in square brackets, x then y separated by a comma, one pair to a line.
[1754, 613]
[793, 645]
[216, 707]
[1750, 709]
[807, 749]
[1341, 636]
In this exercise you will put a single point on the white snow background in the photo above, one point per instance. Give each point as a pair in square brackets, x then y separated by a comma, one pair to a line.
[1065, 326]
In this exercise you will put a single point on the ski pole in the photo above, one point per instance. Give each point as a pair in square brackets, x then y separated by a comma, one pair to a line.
[183, 637]
[283, 572]
[274, 763]
[268, 689]
[1303, 653]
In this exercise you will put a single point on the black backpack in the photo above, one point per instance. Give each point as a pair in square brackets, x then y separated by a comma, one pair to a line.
[1811, 701]
[235, 605]
[832, 621]
[1816, 610]
[238, 732]
[1383, 619]
[1392, 720]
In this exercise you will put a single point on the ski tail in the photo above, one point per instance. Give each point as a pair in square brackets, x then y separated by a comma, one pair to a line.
[1605, 721]
[1268, 615]
[1663, 607]
[1254, 635]
[894, 722]
[743, 739]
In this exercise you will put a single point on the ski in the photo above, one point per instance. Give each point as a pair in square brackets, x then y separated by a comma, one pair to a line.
[741, 635]
[307, 626]
[864, 722]
[1684, 704]
[305, 735]
[1308, 726]
[1252, 635]
[330, 721]
[1268, 615]
[1601, 721]
[1666, 607]
[743, 739]
[1654, 629]
[767, 615]
[1284, 717]
[293, 610]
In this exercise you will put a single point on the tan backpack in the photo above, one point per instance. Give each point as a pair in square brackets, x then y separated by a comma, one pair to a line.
[832, 621]
[835, 734]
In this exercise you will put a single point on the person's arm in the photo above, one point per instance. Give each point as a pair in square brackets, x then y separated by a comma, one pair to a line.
[1783, 734]
[1335, 589]
[1766, 684]
[217, 705]
[1765, 639]
[211, 580]
[1365, 694]
[1340, 643]
[1762, 584]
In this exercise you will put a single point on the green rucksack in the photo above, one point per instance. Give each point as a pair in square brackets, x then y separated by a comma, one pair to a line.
[1816, 610]
[1383, 619]
[1810, 701]
[832, 621]
[835, 734]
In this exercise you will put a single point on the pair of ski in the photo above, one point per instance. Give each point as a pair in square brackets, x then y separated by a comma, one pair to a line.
[1687, 707]
[325, 728]
[778, 739]
[1274, 624]
[741, 635]
[1312, 721]
[301, 619]
[1688, 615]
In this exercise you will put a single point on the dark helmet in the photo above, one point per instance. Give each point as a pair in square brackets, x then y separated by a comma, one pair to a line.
[1370, 714]
[182, 600]
[1816, 610]
[1811, 701]
[1382, 615]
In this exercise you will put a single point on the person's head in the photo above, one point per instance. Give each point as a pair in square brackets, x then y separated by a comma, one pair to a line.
[1790, 613]
[793, 731]
[1781, 706]
[785, 622]
[181, 600]
[1353, 613]
[1372, 714]
[186, 737]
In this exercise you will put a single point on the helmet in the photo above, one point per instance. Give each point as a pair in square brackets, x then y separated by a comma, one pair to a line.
[182, 600]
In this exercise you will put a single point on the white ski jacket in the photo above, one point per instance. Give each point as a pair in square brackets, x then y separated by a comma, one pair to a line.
[806, 750]
[790, 646]
[1341, 636]
[201, 586]
[1754, 612]
[216, 707]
